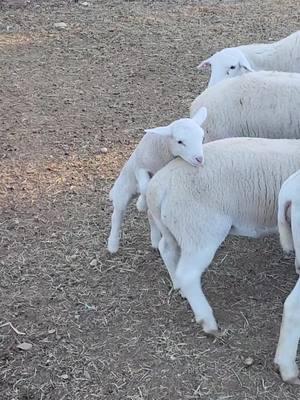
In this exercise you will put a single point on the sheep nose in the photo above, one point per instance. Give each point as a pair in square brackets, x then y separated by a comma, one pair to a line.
[199, 160]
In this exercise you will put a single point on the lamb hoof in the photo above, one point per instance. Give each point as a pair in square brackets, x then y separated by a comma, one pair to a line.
[112, 246]
[293, 381]
[155, 239]
[213, 334]
[289, 373]
[210, 328]
[141, 204]
[154, 245]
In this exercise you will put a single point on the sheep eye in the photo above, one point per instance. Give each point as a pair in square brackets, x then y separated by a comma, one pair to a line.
[232, 67]
[180, 142]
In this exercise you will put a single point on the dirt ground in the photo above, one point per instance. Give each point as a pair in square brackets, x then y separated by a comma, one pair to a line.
[101, 326]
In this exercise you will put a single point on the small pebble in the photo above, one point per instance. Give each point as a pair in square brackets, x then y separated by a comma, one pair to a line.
[248, 361]
[85, 4]
[60, 25]
[103, 150]
[93, 263]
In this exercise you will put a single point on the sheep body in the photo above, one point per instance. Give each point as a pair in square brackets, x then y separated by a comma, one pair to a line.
[258, 104]
[282, 55]
[289, 231]
[181, 138]
[235, 193]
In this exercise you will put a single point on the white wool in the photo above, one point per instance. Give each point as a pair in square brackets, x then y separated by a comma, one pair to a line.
[289, 230]
[258, 104]
[282, 55]
[182, 138]
[235, 193]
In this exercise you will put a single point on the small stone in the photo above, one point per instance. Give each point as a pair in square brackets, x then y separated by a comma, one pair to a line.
[64, 376]
[93, 263]
[87, 374]
[24, 346]
[50, 331]
[85, 4]
[60, 25]
[248, 361]
[103, 150]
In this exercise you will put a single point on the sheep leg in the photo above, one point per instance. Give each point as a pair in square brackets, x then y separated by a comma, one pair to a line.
[120, 204]
[284, 227]
[143, 178]
[295, 225]
[154, 231]
[169, 252]
[286, 352]
[190, 267]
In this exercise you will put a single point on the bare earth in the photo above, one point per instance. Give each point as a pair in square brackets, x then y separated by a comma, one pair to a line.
[108, 327]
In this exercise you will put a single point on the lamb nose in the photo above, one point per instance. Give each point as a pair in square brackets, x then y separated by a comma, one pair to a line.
[199, 160]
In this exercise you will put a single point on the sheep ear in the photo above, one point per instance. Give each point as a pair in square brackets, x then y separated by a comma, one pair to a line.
[161, 130]
[246, 66]
[204, 64]
[200, 115]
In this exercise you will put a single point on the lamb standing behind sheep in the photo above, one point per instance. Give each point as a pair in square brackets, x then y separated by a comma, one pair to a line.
[235, 193]
[289, 231]
[258, 104]
[283, 55]
[181, 138]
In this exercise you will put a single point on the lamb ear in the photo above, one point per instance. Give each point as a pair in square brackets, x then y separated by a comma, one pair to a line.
[200, 115]
[205, 64]
[245, 65]
[161, 130]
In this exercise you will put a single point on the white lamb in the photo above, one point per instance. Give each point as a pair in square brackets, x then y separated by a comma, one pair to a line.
[283, 55]
[260, 104]
[235, 193]
[182, 138]
[289, 230]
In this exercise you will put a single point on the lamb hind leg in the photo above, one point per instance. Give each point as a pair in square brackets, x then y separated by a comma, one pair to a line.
[155, 233]
[143, 179]
[190, 267]
[286, 351]
[120, 204]
[169, 252]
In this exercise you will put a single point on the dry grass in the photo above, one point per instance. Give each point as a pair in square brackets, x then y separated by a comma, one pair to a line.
[101, 326]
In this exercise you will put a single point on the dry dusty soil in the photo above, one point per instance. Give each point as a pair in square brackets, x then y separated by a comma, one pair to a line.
[101, 326]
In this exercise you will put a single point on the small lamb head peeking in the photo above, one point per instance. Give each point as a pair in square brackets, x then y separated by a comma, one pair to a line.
[227, 63]
[185, 137]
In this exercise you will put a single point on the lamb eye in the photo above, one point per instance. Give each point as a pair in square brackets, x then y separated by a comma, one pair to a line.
[180, 142]
[232, 67]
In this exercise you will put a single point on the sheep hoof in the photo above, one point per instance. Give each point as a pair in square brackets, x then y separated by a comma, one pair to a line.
[215, 333]
[112, 246]
[293, 381]
[289, 373]
[209, 327]
[154, 245]
[155, 239]
[141, 204]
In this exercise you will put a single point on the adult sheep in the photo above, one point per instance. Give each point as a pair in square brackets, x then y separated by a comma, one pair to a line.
[283, 55]
[289, 231]
[182, 138]
[235, 193]
[258, 104]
